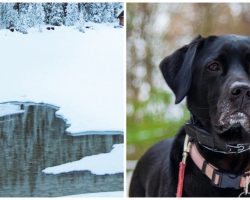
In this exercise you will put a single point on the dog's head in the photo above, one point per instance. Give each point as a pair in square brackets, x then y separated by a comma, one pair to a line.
[214, 74]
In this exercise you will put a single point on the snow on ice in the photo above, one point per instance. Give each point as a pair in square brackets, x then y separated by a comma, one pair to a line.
[9, 109]
[105, 163]
[100, 194]
[82, 73]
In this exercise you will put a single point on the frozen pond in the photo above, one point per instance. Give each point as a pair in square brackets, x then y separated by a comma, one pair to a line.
[33, 139]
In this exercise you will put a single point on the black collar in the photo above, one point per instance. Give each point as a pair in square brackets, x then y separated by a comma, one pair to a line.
[206, 139]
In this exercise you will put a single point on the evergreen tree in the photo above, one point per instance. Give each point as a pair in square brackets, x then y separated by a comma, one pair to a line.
[11, 16]
[84, 12]
[23, 20]
[39, 16]
[108, 13]
[30, 16]
[72, 14]
[80, 22]
[47, 10]
[64, 7]
[57, 14]
[91, 10]
[97, 9]
[3, 15]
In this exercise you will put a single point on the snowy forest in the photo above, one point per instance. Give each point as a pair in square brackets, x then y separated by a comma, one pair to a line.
[21, 16]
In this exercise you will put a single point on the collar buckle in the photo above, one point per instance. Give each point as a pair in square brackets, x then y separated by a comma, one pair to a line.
[225, 180]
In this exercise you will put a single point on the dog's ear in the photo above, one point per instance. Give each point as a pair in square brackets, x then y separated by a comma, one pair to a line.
[177, 69]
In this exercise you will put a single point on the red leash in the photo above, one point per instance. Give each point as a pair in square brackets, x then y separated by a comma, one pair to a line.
[182, 167]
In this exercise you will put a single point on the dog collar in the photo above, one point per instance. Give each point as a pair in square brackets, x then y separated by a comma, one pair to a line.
[207, 140]
[217, 177]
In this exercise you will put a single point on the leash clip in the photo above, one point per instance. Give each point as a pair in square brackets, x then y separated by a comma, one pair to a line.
[182, 166]
[246, 193]
[186, 149]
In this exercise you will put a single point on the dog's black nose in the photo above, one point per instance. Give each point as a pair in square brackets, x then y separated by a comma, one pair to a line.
[240, 90]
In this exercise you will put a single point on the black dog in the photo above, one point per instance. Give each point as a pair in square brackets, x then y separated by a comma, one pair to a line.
[214, 74]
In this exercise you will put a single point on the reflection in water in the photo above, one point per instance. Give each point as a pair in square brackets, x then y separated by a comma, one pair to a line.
[36, 139]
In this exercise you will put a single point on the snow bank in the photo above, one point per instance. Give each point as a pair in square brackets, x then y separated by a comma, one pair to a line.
[105, 163]
[82, 73]
[98, 133]
[9, 109]
[100, 194]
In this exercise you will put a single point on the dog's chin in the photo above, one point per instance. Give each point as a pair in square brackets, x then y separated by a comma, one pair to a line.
[235, 134]
[234, 128]
[236, 125]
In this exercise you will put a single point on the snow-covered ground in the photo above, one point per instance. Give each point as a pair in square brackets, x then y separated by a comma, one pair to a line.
[82, 73]
[105, 163]
[100, 194]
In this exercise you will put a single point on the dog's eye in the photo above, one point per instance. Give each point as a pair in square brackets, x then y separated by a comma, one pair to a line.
[214, 66]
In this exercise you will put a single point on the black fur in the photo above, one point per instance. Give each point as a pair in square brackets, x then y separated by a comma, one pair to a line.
[178, 72]
[218, 95]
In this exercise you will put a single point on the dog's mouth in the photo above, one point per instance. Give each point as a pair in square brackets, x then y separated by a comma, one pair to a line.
[234, 132]
[234, 124]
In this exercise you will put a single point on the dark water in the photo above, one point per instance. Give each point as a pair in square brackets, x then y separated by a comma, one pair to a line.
[36, 139]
